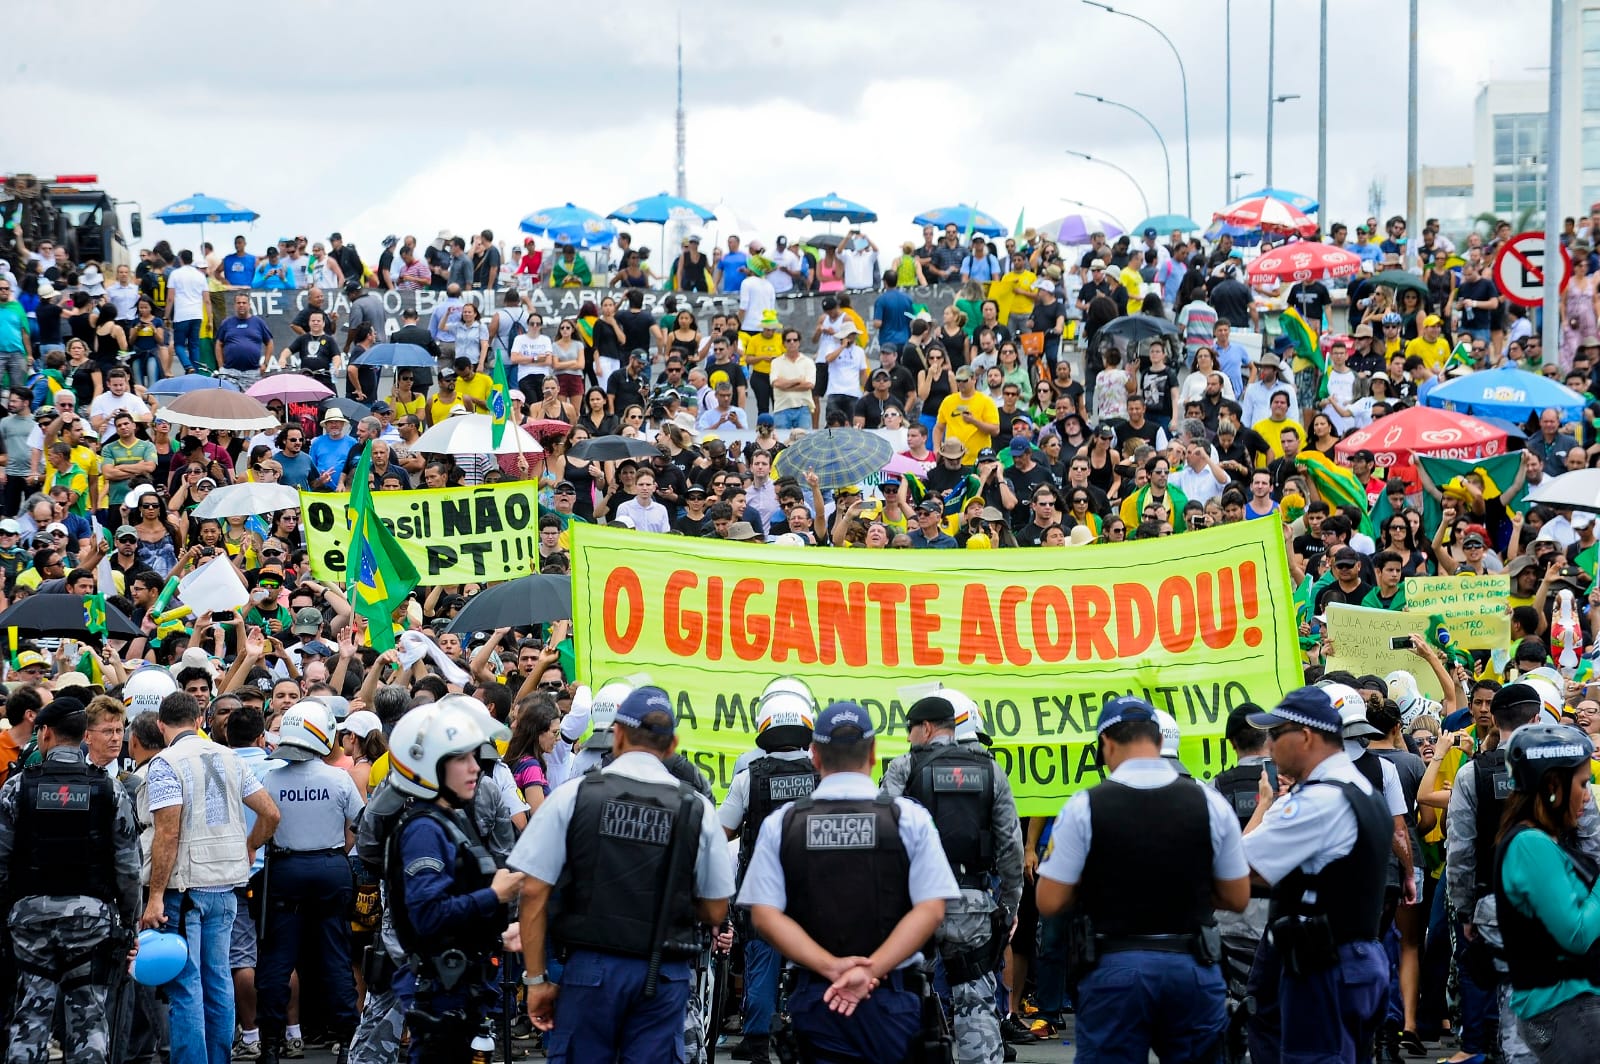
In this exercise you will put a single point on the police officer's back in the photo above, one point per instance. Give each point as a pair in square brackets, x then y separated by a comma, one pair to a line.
[69, 871]
[1320, 975]
[307, 885]
[779, 773]
[849, 884]
[1140, 859]
[622, 866]
[970, 800]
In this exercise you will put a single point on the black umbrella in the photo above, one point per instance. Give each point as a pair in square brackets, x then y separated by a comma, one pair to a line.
[825, 240]
[62, 615]
[1137, 327]
[614, 449]
[536, 599]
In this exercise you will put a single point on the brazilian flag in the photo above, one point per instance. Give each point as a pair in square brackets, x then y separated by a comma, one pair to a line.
[499, 399]
[378, 575]
[94, 615]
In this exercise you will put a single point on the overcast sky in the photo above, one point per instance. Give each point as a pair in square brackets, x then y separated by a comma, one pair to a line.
[407, 117]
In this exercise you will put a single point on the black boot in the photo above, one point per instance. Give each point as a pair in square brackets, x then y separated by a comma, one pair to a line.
[269, 1051]
[759, 1044]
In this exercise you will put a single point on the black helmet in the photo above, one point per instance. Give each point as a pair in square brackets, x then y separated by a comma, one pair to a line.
[1534, 749]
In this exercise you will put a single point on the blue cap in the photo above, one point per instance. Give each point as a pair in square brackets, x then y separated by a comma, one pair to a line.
[1282, 344]
[1020, 445]
[640, 704]
[1122, 710]
[764, 420]
[1307, 706]
[842, 715]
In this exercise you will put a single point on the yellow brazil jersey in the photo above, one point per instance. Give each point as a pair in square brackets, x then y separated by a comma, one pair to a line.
[760, 351]
[1434, 354]
[956, 428]
[478, 388]
[1272, 432]
[439, 408]
[1004, 293]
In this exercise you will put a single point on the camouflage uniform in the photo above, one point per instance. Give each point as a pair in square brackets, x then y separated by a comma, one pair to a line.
[60, 942]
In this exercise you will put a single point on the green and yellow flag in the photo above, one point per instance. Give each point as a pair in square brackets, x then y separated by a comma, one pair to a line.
[499, 399]
[379, 575]
[1337, 484]
[94, 615]
[1299, 330]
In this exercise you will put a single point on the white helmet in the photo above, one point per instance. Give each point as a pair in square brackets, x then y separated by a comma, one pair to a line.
[1170, 735]
[603, 715]
[428, 735]
[145, 689]
[1551, 686]
[305, 732]
[969, 718]
[785, 715]
[496, 732]
[1352, 709]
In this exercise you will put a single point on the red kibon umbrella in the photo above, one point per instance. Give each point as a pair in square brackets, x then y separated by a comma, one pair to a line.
[1426, 431]
[1303, 260]
[1267, 214]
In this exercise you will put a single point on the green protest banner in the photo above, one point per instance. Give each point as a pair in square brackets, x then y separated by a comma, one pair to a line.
[1472, 607]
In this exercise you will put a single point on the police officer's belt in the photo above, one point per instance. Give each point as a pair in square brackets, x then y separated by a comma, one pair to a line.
[329, 851]
[1156, 943]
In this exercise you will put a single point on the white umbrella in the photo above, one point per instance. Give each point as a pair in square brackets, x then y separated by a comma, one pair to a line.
[471, 434]
[1578, 490]
[245, 500]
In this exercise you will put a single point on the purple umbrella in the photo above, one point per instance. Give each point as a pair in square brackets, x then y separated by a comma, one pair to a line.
[1075, 228]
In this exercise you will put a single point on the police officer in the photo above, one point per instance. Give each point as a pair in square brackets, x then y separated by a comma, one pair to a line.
[69, 869]
[1171, 741]
[390, 981]
[1139, 859]
[781, 773]
[621, 869]
[971, 802]
[1239, 783]
[602, 718]
[1320, 974]
[1241, 931]
[848, 884]
[307, 887]
[443, 891]
[1477, 804]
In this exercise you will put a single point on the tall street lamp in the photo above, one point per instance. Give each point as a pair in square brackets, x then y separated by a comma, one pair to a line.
[1281, 98]
[1145, 118]
[1188, 177]
[1106, 162]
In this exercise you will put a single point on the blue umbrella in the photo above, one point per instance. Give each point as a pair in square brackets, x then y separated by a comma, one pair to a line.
[571, 225]
[1506, 392]
[832, 208]
[1298, 200]
[661, 209]
[838, 456]
[397, 355]
[1241, 237]
[962, 217]
[1166, 223]
[200, 208]
[193, 382]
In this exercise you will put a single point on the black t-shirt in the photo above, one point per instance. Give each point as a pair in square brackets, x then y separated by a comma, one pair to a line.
[1310, 300]
[628, 390]
[902, 382]
[1157, 386]
[870, 410]
[636, 325]
[316, 356]
[1311, 548]
[1031, 534]
[1232, 302]
[1023, 485]
[669, 477]
[350, 262]
[692, 526]
[482, 264]
[1048, 316]
[49, 315]
[1334, 593]
[1477, 317]
[1146, 432]
[302, 320]
[386, 263]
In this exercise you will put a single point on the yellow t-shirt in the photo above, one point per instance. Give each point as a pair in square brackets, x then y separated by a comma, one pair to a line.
[1004, 293]
[415, 406]
[1132, 280]
[439, 408]
[478, 388]
[1434, 355]
[1272, 432]
[760, 351]
[955, 428]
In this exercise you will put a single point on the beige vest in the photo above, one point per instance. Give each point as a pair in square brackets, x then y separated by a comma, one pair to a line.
[211, 837]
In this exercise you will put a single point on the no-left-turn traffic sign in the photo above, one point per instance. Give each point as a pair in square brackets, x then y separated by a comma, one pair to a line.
[1519, 269]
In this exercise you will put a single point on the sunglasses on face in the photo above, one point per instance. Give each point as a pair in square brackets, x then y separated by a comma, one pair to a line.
[555, 685]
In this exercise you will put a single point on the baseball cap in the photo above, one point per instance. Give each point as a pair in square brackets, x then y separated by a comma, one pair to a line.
[317, 648]
[10, 527]
[844, 723]
[643, 702]
[1346, 556]
[360, 724]
[565, 485]
[1432, 319]
[1309, 707]
[29, 658]
[964, 373]
[1097, 264]
[1122, 711]
[307, 621]
[123, 531]
[1020, 445]
[986, 455]
[695, 489]
[930, 506]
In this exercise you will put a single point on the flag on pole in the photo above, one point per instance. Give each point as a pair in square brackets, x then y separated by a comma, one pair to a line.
[378, 575]
[1299, 330]
[94, 615]
[1461, 355]
[1017, 232]
[1337, 484]
[499, 399]
[972, 220]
